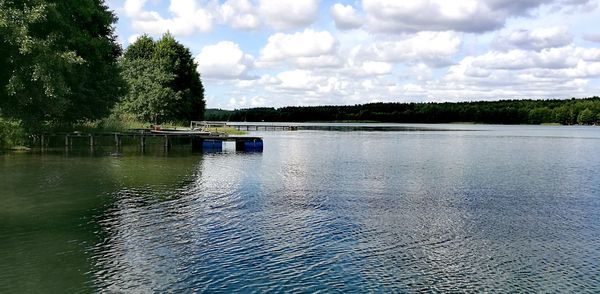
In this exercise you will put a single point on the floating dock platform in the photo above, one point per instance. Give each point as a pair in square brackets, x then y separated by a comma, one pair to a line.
[198, 141]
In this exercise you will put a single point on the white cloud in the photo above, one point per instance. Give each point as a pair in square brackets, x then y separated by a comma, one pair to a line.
[377, 68]
[592, 37]
[297, 80]
[224, 60]
[240, 14]
[133, 38]
[345, 17]
[458, 15]
[436, 15]
[548, 73]
[552, 58]
[309, 43]
[186, 18]
[289, 14]
[536, 39]
[382, 50]
[420, 72]
[434, 48]
[133, 7]
[245, 102]
[323, 61]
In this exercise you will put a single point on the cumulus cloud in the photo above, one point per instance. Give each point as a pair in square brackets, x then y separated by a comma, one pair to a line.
[186, 18]
[307, 87]
[240, 14]
[297, 80]
[377, 67]
[382, 50]
[528, 71]
[432, 15]
[443, 15]
[133, 38]
[553, 58]
[536, 39]
[592, 37]
[289, 14]
[308, 47]
[345, 17]
[433, 48]
[224, 60]
[245, 102]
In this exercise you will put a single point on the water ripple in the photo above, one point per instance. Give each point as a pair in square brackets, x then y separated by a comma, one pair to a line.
[396, 223]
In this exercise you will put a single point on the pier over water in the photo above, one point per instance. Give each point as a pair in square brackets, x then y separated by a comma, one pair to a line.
[196, 141]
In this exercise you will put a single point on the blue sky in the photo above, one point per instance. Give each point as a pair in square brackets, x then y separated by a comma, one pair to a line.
[254, 53]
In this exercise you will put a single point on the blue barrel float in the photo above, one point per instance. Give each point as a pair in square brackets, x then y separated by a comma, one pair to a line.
[249, 145]
[244, 144]
[212, 145]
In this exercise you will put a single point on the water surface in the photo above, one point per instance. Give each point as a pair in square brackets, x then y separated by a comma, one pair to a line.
[469, 208]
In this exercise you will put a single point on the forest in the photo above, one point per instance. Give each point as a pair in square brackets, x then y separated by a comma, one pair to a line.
[566, 112]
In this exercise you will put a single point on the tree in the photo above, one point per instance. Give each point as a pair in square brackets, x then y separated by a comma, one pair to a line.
[586, 117]
[173, 80]
[58, 61]
[540, 115]
[502, 112]
[150, 97]
[143, 48]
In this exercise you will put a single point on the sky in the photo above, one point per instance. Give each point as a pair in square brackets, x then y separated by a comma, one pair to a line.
[273, 53]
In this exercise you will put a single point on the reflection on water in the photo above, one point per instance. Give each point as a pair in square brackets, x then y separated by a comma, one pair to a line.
[499, 210]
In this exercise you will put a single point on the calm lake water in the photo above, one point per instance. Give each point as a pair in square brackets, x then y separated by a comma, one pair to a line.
[464, 208]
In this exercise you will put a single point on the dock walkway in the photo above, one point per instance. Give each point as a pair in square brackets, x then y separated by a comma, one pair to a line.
[198, 141]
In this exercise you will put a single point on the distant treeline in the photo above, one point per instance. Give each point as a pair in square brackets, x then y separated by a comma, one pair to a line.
[568, 112]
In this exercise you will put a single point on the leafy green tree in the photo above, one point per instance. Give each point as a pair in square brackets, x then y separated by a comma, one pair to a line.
[150, 96]
[540, 115]
[58, 61]
[586, 117]
[564, 115]
[143, 48]
[177, 82]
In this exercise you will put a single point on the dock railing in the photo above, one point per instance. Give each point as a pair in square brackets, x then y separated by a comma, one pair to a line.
[206, 125]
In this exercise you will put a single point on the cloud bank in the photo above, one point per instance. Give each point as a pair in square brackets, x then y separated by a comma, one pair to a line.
[288, 52]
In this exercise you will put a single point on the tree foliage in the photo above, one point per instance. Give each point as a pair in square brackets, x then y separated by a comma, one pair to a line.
[582, 111]
[150, 98]
[58, 61]
[163, 82]
[586, 117]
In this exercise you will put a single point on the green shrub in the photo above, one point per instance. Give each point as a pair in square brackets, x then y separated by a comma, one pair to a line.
[11, 134]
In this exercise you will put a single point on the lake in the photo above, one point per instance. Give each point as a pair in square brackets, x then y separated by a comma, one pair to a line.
[437, 208]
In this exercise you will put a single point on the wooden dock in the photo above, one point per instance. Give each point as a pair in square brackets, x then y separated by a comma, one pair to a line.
[197, 142]
[260, 127]
[247, 126]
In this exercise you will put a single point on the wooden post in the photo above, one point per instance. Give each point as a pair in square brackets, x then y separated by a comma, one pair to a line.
[42, 143]
[67, 140]
[117, 140]
[91, 140]
[166, 142]
[143, 142]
